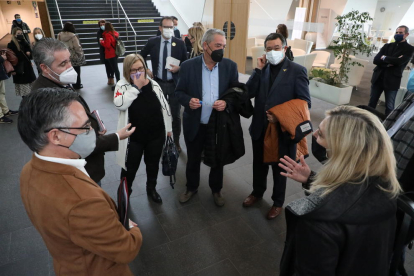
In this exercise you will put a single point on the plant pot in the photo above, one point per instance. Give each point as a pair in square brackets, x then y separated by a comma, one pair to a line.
[330, 93]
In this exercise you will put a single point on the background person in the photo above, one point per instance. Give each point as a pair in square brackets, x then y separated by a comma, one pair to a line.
[4, 109]
[38, 34]
[346, 226]
[140, 101]
[69, 37]
[109, 43]
[108, 68]
[195, 35]
[18, 23]
[282, 29]
[23, 75]
[176, 30]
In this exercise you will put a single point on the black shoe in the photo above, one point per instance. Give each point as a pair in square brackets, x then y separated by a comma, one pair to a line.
[154, 195]
[11, 113]
[77, 87]
[113, 88]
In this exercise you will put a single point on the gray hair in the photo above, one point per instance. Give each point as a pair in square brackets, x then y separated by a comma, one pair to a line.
[209, 35]
[44, 50]
[44, 109]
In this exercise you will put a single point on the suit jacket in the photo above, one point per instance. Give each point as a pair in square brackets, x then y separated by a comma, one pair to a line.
[291, 83]
[391, 75]
[95, 165]
[153, 48]
[77, 220]
[190, 86]
[176, 33]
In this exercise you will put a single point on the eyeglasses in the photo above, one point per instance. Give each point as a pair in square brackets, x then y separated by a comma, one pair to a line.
[88, 128]
[140, 69]
[168, 27]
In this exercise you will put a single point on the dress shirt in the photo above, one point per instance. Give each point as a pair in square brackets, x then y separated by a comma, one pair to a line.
[162, 58]
[210, 93]
[407, 115]
[77, 163]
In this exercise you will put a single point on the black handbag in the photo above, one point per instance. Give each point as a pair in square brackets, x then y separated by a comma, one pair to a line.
[169, 160]
[289, 54]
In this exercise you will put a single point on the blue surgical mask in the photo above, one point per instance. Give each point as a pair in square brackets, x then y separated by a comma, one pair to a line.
[103, 28]
[175, 28]
[398, 37]
[19, 20]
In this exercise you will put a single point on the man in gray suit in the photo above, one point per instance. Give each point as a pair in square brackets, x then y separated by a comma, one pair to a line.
[202, 81]
[275, 80]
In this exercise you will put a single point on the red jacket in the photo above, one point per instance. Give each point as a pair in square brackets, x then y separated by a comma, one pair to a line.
[109, 43]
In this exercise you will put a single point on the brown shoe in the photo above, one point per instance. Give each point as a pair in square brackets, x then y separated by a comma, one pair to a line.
[250, 200]
[274, 212]
[111, 81]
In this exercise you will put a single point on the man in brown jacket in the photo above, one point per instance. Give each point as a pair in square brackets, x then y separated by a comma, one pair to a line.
[77, 220]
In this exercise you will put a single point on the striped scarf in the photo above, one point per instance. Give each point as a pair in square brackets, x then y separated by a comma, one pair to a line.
[403, 140]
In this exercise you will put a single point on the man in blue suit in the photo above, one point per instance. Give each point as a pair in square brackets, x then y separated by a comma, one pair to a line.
[275, 80]
[202, 82]
[161, 47]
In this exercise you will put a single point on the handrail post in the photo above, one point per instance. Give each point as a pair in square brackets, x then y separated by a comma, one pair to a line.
[126, 28]
[112, 8]
[135, 37]
[117, 6]
[60, 18]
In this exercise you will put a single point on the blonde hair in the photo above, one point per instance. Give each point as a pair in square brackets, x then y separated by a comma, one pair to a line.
[14, 39]
[199, 24]
[359, 148]
[129, 61]
[197, 33]
[38, 29]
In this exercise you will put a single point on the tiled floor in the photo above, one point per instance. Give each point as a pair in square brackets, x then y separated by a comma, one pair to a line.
[196, 238]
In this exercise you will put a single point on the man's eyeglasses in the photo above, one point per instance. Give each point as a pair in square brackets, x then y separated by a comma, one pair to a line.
[141, 69]
[87, 128]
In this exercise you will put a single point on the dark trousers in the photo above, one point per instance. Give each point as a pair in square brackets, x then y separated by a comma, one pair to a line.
[78, 80]
[376, 91]
[152, 151]
[108, 68]
[260, 171]
[194, 149]
[113, 62]
[168, 89]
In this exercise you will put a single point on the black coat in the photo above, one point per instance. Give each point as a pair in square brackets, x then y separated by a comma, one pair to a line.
[225, 143]
[351, 231]
[22, 26]
[101, 48]
[3, 74]
[390, 69]
[95, 162]
[24, 69]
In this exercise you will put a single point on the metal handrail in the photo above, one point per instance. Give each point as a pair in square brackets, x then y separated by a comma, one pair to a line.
[118, 3]
[60, 18]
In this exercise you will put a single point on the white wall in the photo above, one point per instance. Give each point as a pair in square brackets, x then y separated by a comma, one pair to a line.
[391, 17]
[337, 6]
[265, 15]
[362, 6]
[167, 9]
[408, 19]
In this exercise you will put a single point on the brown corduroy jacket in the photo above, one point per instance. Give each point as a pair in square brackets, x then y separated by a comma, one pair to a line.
[293, 117]
[77, 220]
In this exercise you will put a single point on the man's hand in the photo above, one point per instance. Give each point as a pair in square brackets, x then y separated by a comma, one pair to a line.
[270, 117]
[261, 62]
[174, 68]
[3, 55]
[141, 81]
[219, 105]
[124, 132]
[150, 73]
[169, 134]
[28, 54]
[194, 103]
[102, 132]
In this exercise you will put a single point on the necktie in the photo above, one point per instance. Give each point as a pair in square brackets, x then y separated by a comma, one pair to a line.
[164, 56]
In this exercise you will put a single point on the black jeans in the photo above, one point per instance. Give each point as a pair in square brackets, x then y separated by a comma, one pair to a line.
[376, 91]
[194, 149]
[152, 151]
[108, 68]
[78, 80]
[168, 89]
[260, 171]
[113, 62]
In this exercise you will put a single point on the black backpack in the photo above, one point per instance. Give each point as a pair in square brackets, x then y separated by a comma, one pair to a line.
[170, 160]
[289, 54]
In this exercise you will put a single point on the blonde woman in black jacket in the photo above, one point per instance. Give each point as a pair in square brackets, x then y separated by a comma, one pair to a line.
[346, 226]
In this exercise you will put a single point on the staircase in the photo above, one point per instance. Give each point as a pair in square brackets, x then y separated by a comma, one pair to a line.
[84, 15]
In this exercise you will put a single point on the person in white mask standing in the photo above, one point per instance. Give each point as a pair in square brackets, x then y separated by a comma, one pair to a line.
[161, 47]
[274, 81]
[52, 59]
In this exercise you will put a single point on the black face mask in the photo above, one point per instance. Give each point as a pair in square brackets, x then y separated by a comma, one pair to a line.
[216, 55]
[20, 37]
[318, 151]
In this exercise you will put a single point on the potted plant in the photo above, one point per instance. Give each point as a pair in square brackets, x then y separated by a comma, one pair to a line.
[351, 41]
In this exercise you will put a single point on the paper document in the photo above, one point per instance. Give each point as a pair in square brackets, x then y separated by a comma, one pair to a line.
[95, 114]
[173, 61]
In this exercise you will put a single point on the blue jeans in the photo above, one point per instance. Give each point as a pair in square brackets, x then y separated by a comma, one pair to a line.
[376, 91]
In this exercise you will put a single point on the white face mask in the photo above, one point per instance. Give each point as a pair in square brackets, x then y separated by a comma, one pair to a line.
[38, 36]
[275, 57]
[68, 76]
[167, 33]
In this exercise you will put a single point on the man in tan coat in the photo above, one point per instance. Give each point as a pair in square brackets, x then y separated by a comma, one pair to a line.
[77, 220]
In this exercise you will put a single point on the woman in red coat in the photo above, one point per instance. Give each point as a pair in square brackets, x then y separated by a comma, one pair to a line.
[108, 41]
